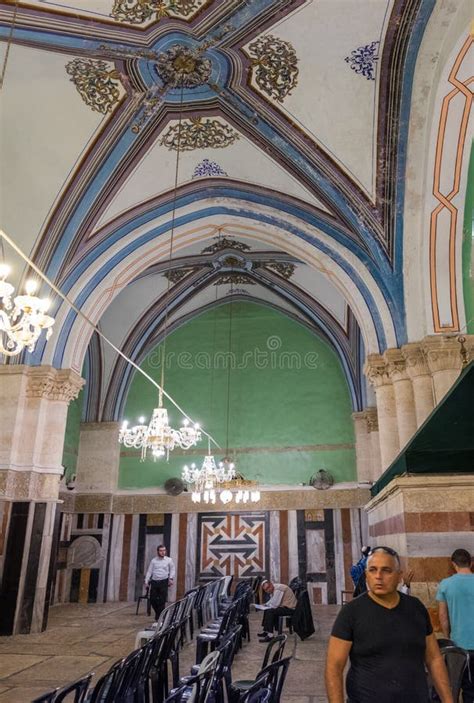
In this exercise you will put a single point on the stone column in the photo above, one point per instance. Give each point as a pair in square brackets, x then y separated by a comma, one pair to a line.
[376, 371]
[404, 398]
[363, 446]
[33, 411]
[373, 430]
[98, 457]
[419, 373]
[443, 355]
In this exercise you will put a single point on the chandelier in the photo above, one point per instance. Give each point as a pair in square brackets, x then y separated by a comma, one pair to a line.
[205, 481]
[23, 320]
[158, 436]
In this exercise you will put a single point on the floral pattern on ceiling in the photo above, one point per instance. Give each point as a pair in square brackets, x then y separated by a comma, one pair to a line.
[363, 60]
[208, 168]
[199, 133]
[139, 11]
[275, 66]
[96, 83]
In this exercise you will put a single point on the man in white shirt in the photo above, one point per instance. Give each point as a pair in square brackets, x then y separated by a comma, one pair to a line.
[282, 602]
[159, 576]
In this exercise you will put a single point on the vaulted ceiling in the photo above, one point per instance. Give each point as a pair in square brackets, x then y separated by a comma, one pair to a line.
[265, 138]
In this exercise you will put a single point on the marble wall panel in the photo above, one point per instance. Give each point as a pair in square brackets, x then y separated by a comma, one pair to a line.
[191, 552]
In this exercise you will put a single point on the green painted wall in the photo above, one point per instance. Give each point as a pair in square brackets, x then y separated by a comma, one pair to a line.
[287, 391]
[71, 438]
[467, 248]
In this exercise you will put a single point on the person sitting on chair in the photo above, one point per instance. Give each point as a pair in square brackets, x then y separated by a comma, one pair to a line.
[282, 602]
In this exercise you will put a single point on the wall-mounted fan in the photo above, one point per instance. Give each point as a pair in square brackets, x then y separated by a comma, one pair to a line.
[174, 486]
[322, 480]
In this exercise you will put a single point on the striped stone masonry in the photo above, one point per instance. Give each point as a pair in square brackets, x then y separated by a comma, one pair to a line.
[425, 518]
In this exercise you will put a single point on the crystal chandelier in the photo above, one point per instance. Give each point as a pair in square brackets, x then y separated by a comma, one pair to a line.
[158, 436]
[22, 321]
[205, 481]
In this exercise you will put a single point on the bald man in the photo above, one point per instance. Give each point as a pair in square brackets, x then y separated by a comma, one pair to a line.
[388, 637]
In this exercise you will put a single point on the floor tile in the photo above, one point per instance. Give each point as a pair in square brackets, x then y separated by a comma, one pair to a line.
[12, 663]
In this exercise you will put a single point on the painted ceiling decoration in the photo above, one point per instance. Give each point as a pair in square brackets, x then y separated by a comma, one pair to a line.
[363, 60]
[275, 66]
[183, 67]
[175, 275]
[208, 168]
[233, 73]
[97, 83]
[283, 269]
[227, 266]
[199, 133]
[139, 11]
[223, 243]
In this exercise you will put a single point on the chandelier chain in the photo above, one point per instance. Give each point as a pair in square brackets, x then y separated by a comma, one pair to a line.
[173, 216]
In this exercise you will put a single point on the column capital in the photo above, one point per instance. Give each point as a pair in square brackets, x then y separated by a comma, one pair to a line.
[442, 352]
[416, 361]
[396, 364]
[376, 370]
[53, 384]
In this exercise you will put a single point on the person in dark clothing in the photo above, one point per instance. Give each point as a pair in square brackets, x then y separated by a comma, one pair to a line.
[389, 638]
[358, 573]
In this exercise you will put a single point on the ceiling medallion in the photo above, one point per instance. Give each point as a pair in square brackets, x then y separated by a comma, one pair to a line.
[96, 83]
[199, 133]
[275, 66]
[183, 67]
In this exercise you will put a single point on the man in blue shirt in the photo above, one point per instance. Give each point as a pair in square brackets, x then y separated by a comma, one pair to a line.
[455, 598]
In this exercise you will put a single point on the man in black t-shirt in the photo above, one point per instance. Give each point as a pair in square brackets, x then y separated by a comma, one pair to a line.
[389, 639]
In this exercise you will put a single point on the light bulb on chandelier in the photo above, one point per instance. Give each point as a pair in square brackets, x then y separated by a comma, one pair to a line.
[23, 320]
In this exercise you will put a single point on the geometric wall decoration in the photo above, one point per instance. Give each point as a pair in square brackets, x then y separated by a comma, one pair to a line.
[362, 60]
[232, 544]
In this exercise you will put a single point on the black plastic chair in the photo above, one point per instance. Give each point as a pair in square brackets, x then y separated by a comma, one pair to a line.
[456, 660]
[106, 687]
[145, 597]
[273, 653]
[47, 697]
[212, 637]
[263, 695]
[79, 688]
[272, 677]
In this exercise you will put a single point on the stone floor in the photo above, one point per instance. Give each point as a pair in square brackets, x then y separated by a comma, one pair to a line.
[83, 638]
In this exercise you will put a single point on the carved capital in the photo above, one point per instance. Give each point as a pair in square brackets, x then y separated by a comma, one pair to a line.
[376, 370]
[396, 365]
[442, 353]
[53, 384]
[416, 361]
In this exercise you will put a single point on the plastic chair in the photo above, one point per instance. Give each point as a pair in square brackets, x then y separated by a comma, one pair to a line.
[456, 660]
[273, 653]
[79, 688]
[273, 676]
[145, 597]
[47, 697]
[263, 695]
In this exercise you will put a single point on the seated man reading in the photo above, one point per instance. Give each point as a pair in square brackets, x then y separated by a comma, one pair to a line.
[282, 602]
